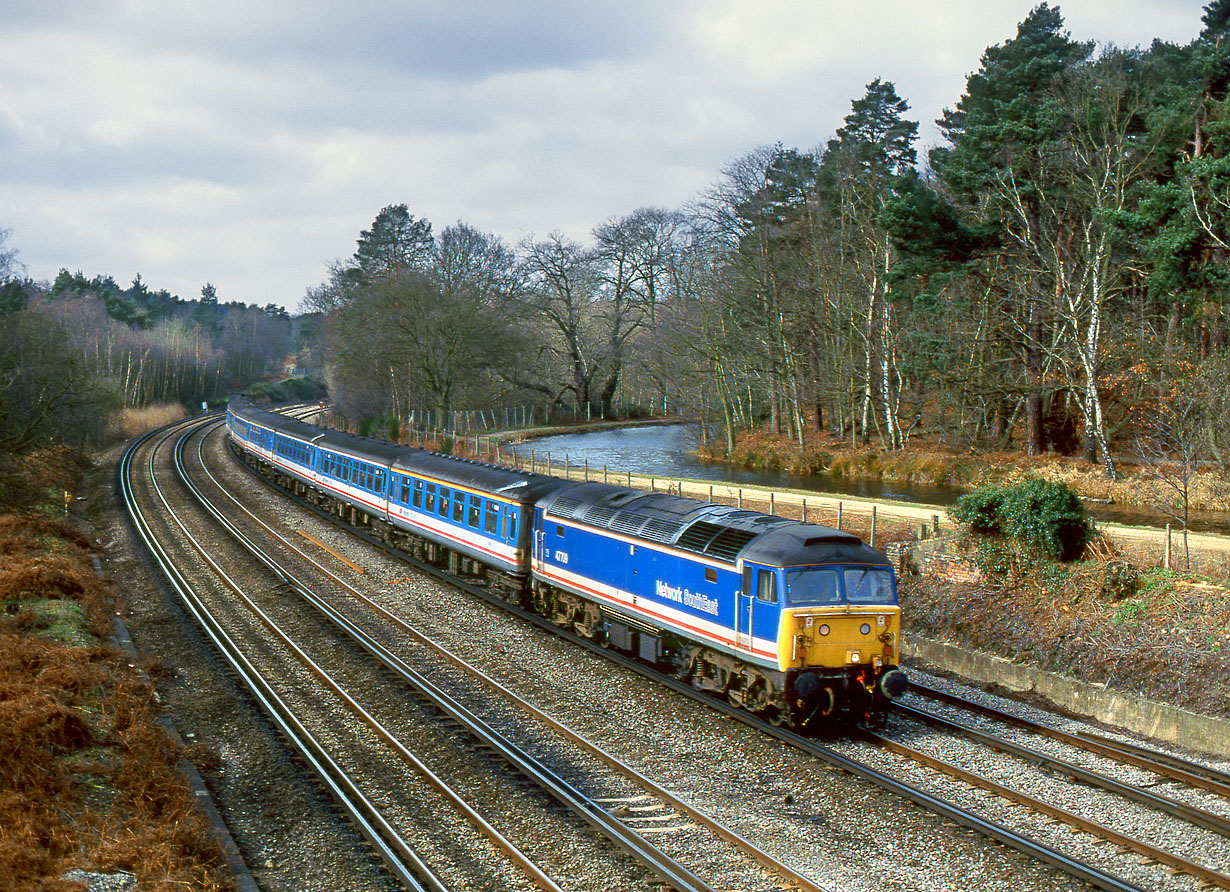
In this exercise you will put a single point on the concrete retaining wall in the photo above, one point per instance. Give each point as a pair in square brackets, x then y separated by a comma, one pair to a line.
[1157, 720]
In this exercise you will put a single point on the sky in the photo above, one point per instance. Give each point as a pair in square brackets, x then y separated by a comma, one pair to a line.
[247, 143]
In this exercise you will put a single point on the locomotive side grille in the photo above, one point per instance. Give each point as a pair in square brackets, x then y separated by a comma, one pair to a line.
[661, 530]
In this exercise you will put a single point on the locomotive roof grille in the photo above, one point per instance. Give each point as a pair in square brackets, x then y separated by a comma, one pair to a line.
[715, 540]
[599, 515]
[728, 543]
[661, 530]
[564, 507]
[697, 536]
[628, 522]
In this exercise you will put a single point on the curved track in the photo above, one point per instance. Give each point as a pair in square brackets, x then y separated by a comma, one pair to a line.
[1021, 842]
[266, 600]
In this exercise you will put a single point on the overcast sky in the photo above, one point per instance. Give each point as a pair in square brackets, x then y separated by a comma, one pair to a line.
[248, 142]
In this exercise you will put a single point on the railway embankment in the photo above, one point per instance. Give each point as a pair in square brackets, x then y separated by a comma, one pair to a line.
[90, 788]
[1120, 709]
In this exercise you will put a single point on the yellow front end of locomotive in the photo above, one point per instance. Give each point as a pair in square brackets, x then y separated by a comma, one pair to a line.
[838, 637]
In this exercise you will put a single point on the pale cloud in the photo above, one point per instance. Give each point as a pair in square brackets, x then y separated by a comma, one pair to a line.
[247, 144]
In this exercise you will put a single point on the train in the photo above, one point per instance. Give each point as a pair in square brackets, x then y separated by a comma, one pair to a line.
[794, 621]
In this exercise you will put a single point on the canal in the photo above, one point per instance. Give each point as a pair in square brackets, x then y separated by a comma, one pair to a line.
[670, 451]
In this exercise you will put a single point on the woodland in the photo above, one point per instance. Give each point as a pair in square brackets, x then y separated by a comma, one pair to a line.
[1051, 278]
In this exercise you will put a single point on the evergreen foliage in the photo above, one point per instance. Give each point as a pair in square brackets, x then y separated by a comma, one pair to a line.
[1044, 515]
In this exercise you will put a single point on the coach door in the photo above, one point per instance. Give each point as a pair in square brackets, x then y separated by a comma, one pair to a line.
[540, 543]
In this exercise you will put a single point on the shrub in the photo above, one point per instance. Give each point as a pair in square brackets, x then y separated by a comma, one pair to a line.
[1043, 515]
[980, 509]
[1049, 516]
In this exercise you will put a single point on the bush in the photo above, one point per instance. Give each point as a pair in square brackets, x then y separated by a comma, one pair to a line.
[980, 509]
[1049, 516]
[1043, 515]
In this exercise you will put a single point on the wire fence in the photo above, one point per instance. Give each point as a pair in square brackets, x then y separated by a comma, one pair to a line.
[491, 436]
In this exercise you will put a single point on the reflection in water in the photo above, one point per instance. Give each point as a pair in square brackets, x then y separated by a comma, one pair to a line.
[669, 451]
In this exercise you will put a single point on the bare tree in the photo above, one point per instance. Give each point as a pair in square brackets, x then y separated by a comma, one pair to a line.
[559, 287]
[1170, 450]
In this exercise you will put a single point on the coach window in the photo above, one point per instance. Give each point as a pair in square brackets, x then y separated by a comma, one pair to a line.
[380, 481]
[766, 588]
[475, 512]
[459, 508]
[404, 491]
[491, 523]
[429, 504]
[510, 526]
[418, 494]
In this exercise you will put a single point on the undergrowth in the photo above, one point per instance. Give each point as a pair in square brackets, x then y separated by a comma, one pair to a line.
[87, 776]
[1157, 633]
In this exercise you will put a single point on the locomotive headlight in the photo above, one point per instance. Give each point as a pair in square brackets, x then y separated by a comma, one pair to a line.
[824, 629]
[865, 629]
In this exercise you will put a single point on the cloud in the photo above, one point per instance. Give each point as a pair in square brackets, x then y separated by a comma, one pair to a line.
[248, 143]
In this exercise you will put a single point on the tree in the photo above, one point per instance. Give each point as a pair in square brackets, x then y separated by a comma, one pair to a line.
[559, 286]
[396, 244]
[996, 134]
[864, 162]
[9, 267]
[1170, 450]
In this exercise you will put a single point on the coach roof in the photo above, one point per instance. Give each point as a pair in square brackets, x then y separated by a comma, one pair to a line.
[507, 483]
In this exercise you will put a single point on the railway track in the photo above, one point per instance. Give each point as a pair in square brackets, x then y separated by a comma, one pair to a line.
[636, 800]
[648, 802]
[393, 850]
[1073, 866]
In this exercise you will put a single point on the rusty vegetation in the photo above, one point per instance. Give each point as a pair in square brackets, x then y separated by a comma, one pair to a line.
[1161, 634]
[88, 778]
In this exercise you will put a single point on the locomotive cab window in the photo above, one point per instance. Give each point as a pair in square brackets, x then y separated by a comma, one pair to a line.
[812, 586]
[766, 587]
[869, 585]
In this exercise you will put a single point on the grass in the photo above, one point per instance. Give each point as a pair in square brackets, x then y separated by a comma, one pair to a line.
[134, 422]
[88, 778]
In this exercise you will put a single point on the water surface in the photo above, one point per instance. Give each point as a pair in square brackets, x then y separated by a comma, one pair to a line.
[669, 451]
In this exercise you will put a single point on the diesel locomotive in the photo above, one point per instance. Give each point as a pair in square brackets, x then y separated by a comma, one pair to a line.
[794, 621]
